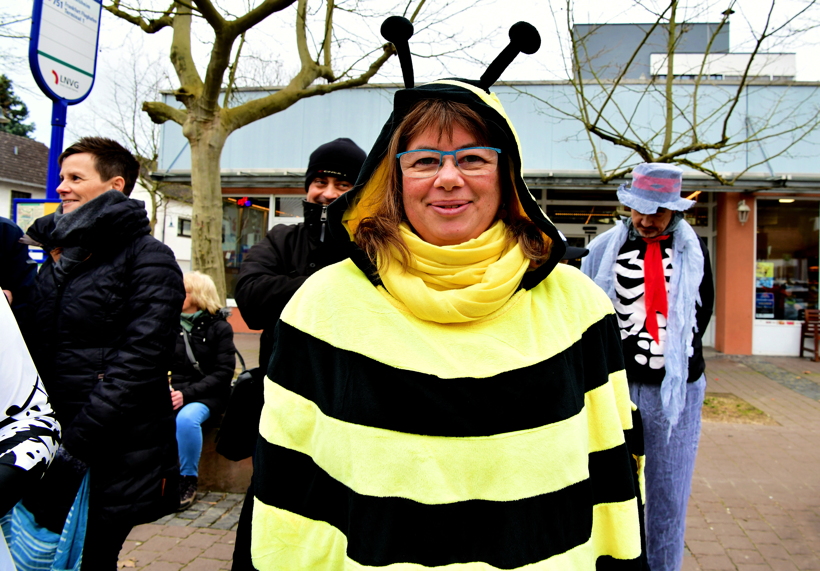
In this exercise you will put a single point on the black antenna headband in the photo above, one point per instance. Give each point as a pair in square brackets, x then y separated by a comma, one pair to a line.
[524, 38]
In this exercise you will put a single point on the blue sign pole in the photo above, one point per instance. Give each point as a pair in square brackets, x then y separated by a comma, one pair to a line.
[59, 110]
[63, 49]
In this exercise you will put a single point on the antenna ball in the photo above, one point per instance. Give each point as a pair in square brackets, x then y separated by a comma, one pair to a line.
[523, 35]
[397, 29]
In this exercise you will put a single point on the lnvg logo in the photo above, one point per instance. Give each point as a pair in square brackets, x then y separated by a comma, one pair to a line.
[67, 81]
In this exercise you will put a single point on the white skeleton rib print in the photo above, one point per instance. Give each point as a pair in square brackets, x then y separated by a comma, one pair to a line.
[631, 309]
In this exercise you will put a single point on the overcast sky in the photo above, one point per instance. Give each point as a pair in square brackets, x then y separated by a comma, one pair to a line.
[486, 23]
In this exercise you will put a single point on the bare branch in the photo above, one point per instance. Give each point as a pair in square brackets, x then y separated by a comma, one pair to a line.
[181, 57]
[232, 72]
[214, 18]
[240, 116]
[265, 9]
[161, 112]
[149, 26]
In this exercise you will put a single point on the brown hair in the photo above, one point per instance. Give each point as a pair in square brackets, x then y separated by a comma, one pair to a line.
[378, 233]
[110, 159]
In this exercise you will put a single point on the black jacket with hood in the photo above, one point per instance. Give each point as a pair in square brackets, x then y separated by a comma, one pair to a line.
[507, 442]
[277, 266]
[102, 332]
[211, 340]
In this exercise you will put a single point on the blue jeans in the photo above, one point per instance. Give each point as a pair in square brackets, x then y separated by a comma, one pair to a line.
[669, 469]
[189, 436]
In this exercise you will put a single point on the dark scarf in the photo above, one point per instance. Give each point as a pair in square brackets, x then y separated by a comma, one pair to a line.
[71, 229]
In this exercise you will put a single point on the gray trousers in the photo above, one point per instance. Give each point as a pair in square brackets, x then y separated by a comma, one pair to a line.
[668, 471]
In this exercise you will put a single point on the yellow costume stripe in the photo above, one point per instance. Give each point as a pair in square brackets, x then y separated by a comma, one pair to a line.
[430, 469]
[616, 529]
[285, 541]
[605, 429]
[532, 327]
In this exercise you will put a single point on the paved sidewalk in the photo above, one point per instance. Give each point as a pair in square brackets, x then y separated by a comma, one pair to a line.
[755, 502]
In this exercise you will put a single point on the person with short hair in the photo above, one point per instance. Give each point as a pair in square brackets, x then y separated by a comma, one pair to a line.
[657, 273]
[201, 374]
[104, 315]
[276, 267]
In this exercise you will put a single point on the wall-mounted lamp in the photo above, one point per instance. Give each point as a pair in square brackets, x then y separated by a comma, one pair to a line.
[785, 200]
[743, 212]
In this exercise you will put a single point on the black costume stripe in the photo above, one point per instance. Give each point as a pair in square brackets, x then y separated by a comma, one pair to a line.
[385, 397]
[381, 531]
[609, 563]
[610, 472]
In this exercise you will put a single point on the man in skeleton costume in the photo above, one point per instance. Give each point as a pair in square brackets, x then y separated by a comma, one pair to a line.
[657, 273]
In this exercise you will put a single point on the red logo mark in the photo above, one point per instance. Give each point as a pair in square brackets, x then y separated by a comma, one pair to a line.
[56, 77]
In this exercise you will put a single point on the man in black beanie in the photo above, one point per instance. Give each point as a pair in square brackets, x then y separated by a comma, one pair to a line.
[274, 268]
[277, 266]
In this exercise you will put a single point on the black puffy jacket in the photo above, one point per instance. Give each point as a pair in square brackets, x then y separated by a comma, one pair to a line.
[17, 270]
[102, 337]
[211, 339]
[277, 266]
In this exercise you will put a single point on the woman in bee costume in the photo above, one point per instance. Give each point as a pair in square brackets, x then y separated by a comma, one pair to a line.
[449, 396]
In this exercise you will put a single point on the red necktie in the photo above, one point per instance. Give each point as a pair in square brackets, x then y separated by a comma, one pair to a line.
[654, 285]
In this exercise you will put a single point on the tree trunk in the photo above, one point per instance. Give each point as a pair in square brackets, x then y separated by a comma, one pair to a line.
[207, 138]
[152, 195]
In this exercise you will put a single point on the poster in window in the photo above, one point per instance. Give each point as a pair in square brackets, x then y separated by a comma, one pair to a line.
[764, 305]
[764, 274]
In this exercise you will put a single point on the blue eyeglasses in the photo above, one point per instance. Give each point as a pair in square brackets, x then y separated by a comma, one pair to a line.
[471, 161]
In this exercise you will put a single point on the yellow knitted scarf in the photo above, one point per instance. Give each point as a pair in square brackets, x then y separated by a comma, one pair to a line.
[456, 284]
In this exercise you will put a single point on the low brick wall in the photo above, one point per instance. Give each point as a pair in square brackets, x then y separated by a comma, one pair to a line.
[217, 473]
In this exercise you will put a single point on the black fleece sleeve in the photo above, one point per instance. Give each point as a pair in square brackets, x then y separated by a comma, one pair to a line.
[707, 292]
[266, 281]
[18, 270]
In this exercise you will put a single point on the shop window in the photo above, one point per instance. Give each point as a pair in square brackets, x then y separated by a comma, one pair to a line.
[184, 227]
[787, 258]
[244, 223]
[289, 207]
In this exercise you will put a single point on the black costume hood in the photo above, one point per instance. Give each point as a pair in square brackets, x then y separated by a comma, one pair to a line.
[349, 209]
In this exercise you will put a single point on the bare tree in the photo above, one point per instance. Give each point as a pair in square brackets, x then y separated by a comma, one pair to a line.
[139, 78]
[210, 113]
[682, 113]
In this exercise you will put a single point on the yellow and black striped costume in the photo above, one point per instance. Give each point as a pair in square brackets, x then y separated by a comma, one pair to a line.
[390, 442]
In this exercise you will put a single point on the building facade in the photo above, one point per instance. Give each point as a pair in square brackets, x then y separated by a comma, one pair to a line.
[761, 231]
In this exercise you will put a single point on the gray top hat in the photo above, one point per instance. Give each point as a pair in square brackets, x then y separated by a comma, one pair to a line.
[654, 185]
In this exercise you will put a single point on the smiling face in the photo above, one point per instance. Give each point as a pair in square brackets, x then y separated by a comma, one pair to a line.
[326, 189]
[80, 181]
[450, 208]
[651, 225]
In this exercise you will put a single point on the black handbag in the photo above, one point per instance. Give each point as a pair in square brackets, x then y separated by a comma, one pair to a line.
[236, 439]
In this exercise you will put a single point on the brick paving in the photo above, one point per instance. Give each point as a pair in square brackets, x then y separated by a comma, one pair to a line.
[755, 503]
